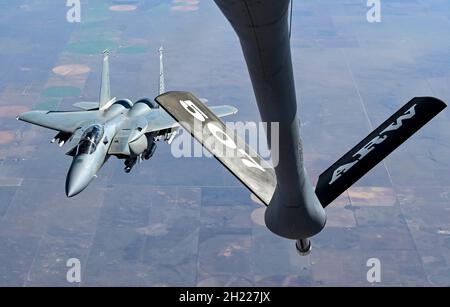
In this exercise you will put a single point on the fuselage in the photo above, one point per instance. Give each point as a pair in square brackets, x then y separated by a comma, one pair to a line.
[122, 133]
[91, 154]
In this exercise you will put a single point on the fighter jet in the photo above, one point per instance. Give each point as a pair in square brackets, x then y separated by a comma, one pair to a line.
[295, 209]
[110, 127]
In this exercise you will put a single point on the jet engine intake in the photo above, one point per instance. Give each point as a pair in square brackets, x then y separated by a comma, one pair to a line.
[138, 146]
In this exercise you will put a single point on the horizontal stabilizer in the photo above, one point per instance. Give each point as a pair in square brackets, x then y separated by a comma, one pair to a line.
[86, 105]
[206, 127]
[376, 146]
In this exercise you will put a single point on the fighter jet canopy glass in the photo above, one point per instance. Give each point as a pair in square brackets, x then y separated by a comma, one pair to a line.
[90, 139]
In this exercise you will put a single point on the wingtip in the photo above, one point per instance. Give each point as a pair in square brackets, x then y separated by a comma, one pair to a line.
[21, 116]
[233, 109]
[26, 116]
[432, 100]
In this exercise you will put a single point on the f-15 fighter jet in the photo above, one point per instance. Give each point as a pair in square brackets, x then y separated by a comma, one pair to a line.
[110, 127]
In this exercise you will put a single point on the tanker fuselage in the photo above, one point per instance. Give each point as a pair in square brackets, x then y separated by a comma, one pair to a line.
[263, 30]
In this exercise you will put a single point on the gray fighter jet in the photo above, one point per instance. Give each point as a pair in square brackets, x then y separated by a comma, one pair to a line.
[110, 127]
[295, 210]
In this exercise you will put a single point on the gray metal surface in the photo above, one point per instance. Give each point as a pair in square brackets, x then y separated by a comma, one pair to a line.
[263, 30]
[201, 122]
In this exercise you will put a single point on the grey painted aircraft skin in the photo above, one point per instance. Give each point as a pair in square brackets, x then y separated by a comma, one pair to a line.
[110, 127]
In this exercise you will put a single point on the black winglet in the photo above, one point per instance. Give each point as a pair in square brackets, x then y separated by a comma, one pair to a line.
[376, 146]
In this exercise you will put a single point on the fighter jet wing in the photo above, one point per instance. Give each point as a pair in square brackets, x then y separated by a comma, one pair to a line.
[161, 120]
[205, 126]
[68, 121]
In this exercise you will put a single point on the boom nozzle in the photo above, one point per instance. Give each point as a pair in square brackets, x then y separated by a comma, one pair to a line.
[303, 246]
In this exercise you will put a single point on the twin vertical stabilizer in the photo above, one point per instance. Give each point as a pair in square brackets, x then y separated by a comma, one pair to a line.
[105, 90]
[162, 82]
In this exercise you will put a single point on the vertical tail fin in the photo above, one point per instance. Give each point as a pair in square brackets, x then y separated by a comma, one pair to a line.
[105, 91]
[162, 82]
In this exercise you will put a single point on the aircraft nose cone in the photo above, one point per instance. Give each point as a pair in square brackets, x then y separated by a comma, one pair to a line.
[78, 179]
[74, 188]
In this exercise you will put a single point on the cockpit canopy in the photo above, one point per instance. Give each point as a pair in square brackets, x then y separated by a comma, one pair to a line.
[90, 139]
